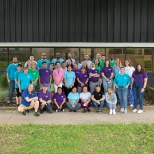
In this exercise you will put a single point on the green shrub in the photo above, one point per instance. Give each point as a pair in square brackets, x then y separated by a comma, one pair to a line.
[3, 81]
[3, 95]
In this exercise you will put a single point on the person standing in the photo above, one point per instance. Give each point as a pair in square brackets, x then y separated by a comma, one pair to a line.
[129, 70]
[70, 57]
[11, 69]
[34, 73]
[86, 59]
[112, 61]
[58, 75]
[107, 74]
[30, 61]
[139, 81]
[45, 75]
[24, 80]
[93, 77]
[78, 63]
[16, 76]
[82, 79]
[117, 66]
[76, 71]
[57, 59]
[121, 84]
[44, 59]
[69, 80]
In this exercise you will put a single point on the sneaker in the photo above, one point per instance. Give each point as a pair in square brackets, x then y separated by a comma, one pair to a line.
[88, 110]
[27, 111]
[99, 111]
[114, 111]
[36, 114]
[41, 111]
[140, 111]
[70, 110]
[122, 110]
[131, 105]
[8, 102]
[18, 105]
[84, 111]
[134, 111]
[125, 111]
[110, 111]
[75, 110]
[63, 110]
[24, 113]
[56, 110]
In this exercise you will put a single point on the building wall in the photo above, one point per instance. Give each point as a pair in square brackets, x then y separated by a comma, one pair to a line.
[76, 20]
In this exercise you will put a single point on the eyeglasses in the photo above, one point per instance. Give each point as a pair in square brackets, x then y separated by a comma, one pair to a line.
[43, 55]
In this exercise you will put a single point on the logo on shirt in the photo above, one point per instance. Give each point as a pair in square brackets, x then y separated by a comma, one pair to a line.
[28, 76]
[85, 75]
[46, 96]
[125, 78]
[99, 94]
[62, 96]
[109, 69]
[46, 70]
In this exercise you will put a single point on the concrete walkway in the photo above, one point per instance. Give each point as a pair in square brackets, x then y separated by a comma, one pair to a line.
[13, 117]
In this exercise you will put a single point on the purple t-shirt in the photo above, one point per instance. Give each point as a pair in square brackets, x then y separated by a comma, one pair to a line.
[45, 75]
[107, 71]
[93, 79]
[45, 96]
[59, 98]
[76, 72]
[82, 77]
[139, 78]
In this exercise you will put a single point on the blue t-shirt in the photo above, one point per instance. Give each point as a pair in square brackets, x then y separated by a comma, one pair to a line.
[122, 80]
[11, 69]
[27, 94]
[69, 76]
[57, 60]
[39, 63]
[73, 97]
[16, 76]
[25, 80]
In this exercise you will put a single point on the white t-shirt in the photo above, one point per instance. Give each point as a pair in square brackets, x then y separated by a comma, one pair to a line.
[85, 96]
[129, 70]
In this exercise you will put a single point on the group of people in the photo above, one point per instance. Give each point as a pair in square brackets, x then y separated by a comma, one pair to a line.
[58, 84]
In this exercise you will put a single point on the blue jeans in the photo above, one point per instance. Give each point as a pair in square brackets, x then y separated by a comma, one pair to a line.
[138, 96]
[112, 106]
[11, 89]
[98, 105]
[122, 94]
[71, 108]
[106, 85]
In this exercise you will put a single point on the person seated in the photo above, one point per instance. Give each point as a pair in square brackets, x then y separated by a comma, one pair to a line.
[29, 101]
[85, 97]
[73, 100]
[59, 99]
[111, 99]
[45, 99]
[98, 99]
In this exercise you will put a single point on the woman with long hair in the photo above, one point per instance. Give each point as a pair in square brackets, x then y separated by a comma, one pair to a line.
[139, 82]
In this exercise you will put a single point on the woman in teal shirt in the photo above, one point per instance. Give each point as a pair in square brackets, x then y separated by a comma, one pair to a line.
[73, 100]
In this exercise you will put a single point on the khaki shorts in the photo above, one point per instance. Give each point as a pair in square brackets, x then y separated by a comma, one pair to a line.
[52, 87]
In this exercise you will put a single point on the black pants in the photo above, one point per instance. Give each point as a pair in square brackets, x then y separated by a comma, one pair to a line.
[63, 106]
[67, 91]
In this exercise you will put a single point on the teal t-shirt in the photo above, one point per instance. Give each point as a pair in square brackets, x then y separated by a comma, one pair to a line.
[122, 80]
[25, 80]
[16, 76]
[11, 69]
[39, 63]
[69, 76]
[73, 97]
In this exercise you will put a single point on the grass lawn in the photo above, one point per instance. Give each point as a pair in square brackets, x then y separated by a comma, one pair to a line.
[77, 139]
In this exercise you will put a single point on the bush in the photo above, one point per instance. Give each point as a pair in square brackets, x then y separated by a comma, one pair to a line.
[3, 81]
[3, 95]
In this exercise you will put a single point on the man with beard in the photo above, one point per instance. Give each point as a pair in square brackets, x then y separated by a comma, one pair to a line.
[44, 59]
[11, 69]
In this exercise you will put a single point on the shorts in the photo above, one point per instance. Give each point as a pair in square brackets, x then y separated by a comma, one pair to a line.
[18, 94]
[52, 87]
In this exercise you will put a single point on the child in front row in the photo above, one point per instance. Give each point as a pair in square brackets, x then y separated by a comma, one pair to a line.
[111, 99]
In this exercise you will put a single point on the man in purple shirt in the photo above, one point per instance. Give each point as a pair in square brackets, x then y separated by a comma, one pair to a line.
[44, 97]
[82, 79]
[59, 100]
[93, 77]
[45, 75]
